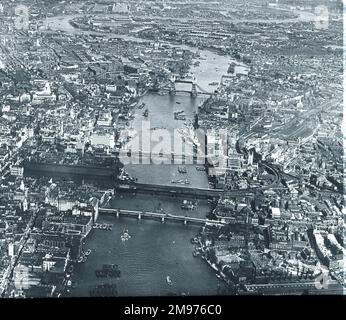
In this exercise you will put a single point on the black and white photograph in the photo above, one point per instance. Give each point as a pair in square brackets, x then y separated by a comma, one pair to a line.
[171, 148]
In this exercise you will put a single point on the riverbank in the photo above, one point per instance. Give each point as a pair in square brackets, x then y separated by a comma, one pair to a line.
[160, 204]
[153, 252]
[201, 252]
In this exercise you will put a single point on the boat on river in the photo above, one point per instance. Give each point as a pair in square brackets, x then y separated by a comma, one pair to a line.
[125, 236]
[196, 254]
[169, 280]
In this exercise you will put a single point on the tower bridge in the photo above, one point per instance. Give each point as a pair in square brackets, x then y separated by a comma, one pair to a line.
[195, 88]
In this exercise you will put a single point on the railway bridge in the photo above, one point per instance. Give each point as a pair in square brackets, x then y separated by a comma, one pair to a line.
[160, 216]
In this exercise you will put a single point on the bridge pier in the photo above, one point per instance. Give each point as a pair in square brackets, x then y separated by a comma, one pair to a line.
[159, 215]
[194, 90]
[172, 90]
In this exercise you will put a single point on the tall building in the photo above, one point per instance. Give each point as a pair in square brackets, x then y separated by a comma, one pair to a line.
[120, 7]
[11, 249]
[251, 157]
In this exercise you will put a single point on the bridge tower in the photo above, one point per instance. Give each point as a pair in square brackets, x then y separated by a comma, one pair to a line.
[156, 85]
[194, 87]
[172, 89]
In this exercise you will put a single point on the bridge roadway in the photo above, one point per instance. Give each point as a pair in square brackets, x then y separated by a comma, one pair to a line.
[189, 91]
[196, 193]
[198, 93]
[166, 86]
[180, 191]
[159, 216]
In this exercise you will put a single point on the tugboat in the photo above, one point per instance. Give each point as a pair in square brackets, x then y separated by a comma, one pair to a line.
[231, 68]
[194, 240]
[169, 281]
[196, 254]
[182, 170]
[125, 236]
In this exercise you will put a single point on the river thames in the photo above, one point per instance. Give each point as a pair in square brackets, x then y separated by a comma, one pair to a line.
[155, 250]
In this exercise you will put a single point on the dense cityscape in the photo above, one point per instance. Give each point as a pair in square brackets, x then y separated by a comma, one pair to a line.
[160, 147]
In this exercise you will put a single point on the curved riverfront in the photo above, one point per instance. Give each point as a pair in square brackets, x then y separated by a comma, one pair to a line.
[155, 249]
[174, 148]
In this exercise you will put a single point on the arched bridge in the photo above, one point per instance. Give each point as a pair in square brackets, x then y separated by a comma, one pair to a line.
[160, 216]
[195, 88]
